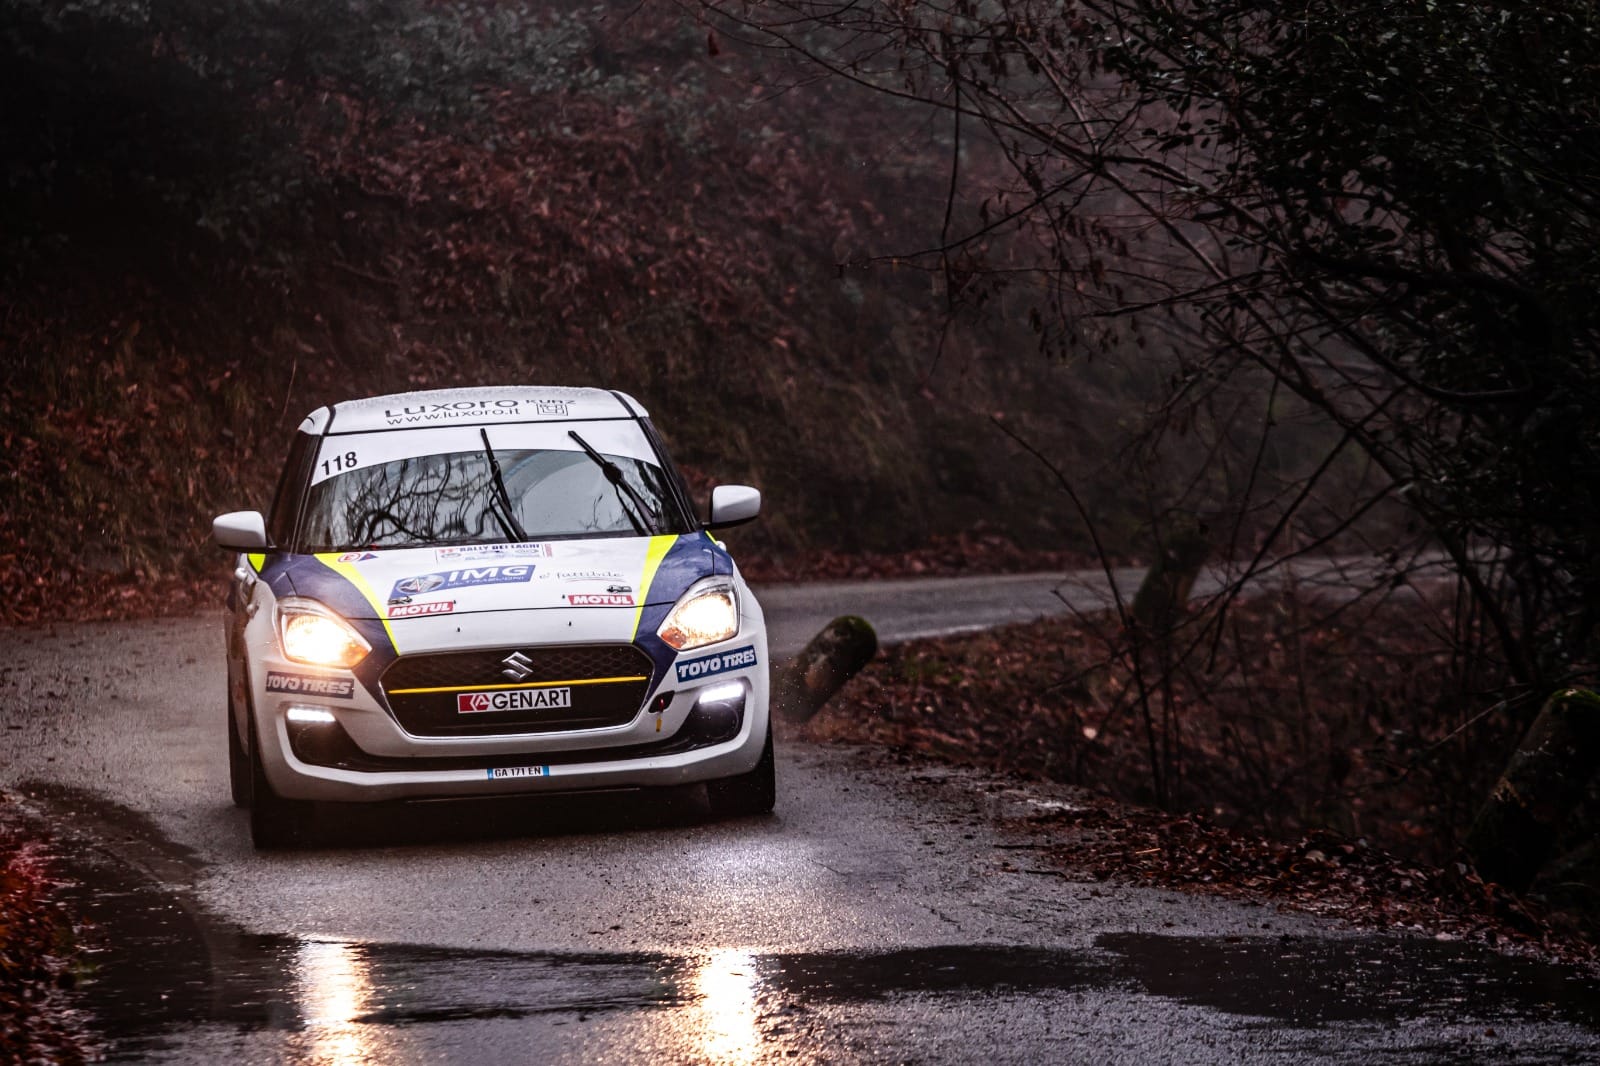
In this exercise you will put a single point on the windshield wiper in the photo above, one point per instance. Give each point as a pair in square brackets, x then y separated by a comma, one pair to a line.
[614, 475]
[508, 520]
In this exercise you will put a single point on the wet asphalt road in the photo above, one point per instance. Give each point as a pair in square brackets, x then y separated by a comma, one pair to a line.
[887, 912]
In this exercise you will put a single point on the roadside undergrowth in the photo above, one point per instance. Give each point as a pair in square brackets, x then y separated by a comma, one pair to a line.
[1322, 760]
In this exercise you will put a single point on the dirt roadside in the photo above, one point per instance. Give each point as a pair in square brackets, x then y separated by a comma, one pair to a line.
[1348, 804]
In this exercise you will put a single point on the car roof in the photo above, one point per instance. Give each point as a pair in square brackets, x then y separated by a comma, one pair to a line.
[489, 405]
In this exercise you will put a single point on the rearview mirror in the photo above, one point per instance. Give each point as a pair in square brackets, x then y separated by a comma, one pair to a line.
[733, 505]
[240, 531]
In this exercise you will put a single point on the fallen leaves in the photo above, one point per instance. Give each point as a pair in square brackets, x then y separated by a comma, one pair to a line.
[1319, 873]
[1338, 789]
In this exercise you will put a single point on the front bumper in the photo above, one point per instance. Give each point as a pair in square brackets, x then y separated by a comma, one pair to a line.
[679, 736]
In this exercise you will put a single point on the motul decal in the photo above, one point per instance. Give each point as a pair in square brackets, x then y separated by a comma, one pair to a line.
[526, 699]
[599, 599]
[411, 610]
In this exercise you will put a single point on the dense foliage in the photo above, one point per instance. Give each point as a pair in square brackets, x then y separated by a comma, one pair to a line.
[1388, 210]
[223, 214]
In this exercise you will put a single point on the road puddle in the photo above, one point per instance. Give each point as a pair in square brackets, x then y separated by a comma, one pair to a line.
[165, 980]
[1310, 981]
[158, 968]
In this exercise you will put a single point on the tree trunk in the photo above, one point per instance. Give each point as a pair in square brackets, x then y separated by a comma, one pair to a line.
[1515, 831]
[836, 654]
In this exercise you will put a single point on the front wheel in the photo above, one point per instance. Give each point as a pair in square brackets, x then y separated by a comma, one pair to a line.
[275, 822]
[749, 793]
[238, 763]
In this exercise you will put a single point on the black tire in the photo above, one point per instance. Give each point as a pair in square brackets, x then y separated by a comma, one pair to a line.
[238, 764]
[750, 793]
[275, 822]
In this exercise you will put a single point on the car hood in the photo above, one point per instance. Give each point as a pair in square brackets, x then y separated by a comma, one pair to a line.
[617, 575]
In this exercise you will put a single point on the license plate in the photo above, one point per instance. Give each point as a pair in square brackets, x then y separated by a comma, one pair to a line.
[525, 699]
[500, 773]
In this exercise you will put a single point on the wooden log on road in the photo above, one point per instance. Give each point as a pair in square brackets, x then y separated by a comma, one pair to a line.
[805, 683]
[1515, 830]
[1163, 596]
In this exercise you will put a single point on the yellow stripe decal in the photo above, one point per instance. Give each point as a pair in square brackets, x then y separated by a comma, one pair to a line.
[659, 546]
[257, 560]
[352, 575]
[530, 684]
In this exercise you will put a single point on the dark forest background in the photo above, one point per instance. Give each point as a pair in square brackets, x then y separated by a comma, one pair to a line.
[221, 215]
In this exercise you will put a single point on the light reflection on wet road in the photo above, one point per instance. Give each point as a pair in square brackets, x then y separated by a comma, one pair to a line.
[173, 984]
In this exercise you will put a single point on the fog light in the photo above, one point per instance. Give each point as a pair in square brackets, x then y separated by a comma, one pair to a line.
[317, 739]
[728, 690]
[309, 716]
[718, 712]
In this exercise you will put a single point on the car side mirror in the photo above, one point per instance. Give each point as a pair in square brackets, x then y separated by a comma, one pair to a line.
[733, 505]
[240, 531]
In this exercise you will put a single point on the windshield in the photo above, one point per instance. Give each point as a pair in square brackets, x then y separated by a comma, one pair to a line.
[427, 487]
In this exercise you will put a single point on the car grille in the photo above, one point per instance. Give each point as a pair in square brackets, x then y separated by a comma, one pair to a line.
[607, 684]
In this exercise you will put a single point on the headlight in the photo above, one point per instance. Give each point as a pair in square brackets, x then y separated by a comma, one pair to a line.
[707, 613]
[314, 635]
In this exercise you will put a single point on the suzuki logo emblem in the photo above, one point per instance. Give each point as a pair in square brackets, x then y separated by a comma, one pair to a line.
[518, 666]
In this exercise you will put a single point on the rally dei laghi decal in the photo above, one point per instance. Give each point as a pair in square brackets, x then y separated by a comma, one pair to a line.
[476, 592]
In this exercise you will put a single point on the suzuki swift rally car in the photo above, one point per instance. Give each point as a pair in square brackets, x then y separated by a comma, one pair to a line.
[477, 592]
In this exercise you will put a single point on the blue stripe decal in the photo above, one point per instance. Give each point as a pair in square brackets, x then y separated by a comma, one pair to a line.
[691, 559]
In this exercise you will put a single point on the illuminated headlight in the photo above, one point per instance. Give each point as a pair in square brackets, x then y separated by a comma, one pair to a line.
[707, 613]
[314, 635]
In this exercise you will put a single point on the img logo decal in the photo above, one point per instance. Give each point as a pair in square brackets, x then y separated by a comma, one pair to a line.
[465, 577]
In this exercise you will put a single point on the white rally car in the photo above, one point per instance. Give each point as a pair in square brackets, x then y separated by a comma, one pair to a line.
[475, 592]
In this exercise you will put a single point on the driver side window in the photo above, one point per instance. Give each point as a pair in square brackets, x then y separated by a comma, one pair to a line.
[291, 485]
